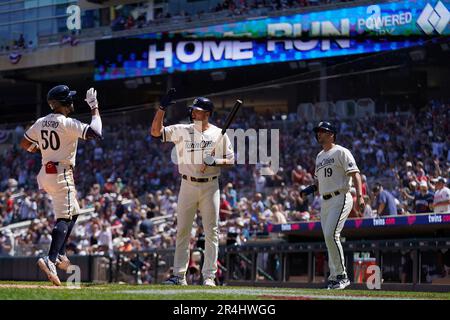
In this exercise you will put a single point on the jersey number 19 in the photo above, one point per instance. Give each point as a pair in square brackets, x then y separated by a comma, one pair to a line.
[51, 140]
[328, 172]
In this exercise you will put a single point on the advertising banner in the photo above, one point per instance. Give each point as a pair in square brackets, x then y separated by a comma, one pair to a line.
[313, 35]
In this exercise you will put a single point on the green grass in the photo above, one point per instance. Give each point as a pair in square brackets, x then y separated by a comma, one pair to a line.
[43, 291]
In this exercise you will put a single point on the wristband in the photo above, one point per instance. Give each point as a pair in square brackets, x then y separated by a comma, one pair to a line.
[310, 189]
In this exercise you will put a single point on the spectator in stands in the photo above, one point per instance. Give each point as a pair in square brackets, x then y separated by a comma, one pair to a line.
[231, 194]
[225, 209]
[257, 205]
[384, 201]
[441, 202]
[130, 22]
[298, 175]
[368, 211]
[260, 181]
[104, 240]
[277, 217]
[420, 172]
[423, 200]
[364, 184]
[6, 243]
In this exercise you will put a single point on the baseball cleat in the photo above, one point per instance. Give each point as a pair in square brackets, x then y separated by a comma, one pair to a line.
[49, 269]
[340, 283]
[176, 281]
[209, 282]
[62, 262]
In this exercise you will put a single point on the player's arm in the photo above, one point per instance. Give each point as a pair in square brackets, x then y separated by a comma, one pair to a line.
[225, 149]
[29, 140]
[311, 188]
[157, 124]
[94, 131]
[356, 177]
[29, 146]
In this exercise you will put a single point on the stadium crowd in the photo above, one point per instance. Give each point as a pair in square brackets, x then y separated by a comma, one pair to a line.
[128, 18]
[133, 193]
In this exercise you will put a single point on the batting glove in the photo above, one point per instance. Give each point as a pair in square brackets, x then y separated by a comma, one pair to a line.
[167, 100]
[91, 98]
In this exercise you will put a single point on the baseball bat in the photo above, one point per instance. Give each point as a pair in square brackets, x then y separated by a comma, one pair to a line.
[228, 121]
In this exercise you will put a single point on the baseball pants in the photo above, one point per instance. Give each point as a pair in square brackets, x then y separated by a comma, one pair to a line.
[61, 188]
[333, 214]
[204, 196]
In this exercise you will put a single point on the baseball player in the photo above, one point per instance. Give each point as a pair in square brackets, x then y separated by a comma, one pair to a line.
[334, 167]
[199, 190]
[56, 137]
[441, 202]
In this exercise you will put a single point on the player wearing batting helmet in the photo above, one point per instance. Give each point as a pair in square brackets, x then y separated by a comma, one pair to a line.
[199, 166]
[56, 137]
[335, 166]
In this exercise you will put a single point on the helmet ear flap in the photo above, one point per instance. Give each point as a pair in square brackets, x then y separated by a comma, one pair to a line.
[190, 109]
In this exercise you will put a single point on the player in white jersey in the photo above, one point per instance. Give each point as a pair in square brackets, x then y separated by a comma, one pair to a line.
[56, 137]
[199, 183]
[335, 166]
[441, 203]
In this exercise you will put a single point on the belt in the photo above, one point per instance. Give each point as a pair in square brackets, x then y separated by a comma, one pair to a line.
[57, 164]
[330, 195]
[194, 179]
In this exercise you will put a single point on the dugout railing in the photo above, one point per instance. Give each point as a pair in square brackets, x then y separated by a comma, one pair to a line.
[411, 263]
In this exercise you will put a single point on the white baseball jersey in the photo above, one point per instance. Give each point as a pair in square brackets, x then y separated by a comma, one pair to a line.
[57, 137]
[192, 146]
[332, 169]
[440, 196]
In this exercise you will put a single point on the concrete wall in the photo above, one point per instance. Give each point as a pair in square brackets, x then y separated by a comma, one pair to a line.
[59, 54]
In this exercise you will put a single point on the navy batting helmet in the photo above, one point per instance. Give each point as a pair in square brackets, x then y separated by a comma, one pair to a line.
[327, 126]
[61, 93]
[203, 104]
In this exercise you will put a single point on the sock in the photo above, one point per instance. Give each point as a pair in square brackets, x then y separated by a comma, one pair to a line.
[62, 250]
[58, 235]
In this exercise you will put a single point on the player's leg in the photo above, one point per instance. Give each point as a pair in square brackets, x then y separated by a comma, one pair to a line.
[186, 210]
[51, 183]
[62, 262]
[338, 211]
[209, 210]
[324, 210]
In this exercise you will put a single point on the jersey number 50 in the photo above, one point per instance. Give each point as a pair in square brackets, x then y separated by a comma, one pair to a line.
[328, 172]
[51, 140]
